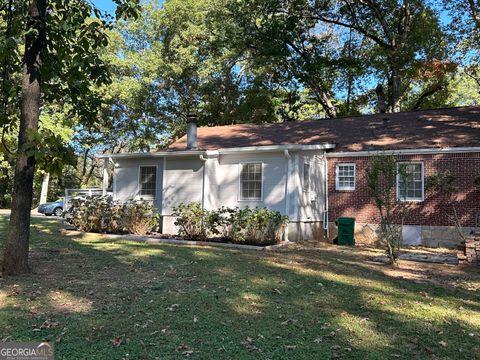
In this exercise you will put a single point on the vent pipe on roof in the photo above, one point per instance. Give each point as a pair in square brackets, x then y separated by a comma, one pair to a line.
[192, 132]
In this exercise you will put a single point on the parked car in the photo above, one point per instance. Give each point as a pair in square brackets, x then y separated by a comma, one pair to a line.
[52, 208]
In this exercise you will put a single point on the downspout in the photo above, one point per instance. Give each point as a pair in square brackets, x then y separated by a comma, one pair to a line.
[287, 189]
[204, 159]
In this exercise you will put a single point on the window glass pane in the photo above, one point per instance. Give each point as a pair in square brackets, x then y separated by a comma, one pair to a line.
[346, 177]
[148, 180]
[251, 181]
[410, 184]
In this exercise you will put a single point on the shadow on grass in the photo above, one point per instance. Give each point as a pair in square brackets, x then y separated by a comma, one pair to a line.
[101, 298]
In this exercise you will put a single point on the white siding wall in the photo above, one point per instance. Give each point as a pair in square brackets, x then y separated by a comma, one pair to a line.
[274, 175]
[183, 182]
[126, 177]
[310, 204]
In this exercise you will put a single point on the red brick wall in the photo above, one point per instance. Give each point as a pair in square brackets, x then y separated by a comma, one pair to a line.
[436, 210]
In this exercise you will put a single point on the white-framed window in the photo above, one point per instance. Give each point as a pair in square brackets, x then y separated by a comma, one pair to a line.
[147, 181]
[306, 175]
[345, 176]
[251, 181]
[410, 181]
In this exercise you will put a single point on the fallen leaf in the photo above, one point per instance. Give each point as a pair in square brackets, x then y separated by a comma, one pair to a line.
[173, 307]
[116, 341]
[182, 346]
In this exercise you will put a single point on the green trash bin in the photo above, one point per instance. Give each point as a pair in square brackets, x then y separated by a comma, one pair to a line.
[346, 230]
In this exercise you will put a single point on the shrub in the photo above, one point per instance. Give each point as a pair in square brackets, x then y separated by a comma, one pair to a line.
[139, 217]
[259, 226]
[381, 176]
[190, 218]
[104, 215]
[94, 214]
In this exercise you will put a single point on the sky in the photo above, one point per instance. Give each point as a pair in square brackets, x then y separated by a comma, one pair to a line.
[105, 5]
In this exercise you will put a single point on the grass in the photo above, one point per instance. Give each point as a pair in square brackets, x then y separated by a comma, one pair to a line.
[102, 299]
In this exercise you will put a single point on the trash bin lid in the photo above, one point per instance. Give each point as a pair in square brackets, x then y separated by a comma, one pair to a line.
[346, 221]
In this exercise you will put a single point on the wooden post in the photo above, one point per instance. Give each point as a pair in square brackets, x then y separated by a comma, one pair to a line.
[44, 192]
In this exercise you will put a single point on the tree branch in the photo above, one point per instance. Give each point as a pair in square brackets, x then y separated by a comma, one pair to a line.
[378, 14]
[362, 31]
[475, 12]
[435, 88]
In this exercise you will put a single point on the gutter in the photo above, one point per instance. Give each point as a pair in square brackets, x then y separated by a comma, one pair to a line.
[421, 151]
[274, 148]
[150, 154]
[246, 149]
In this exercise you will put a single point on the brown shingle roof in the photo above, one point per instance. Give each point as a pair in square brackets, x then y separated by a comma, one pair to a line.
[439, 128]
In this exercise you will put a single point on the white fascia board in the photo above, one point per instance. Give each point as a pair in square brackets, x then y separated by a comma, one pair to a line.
[152, 154]
[214, 153]
[404, 152]
[274, 148]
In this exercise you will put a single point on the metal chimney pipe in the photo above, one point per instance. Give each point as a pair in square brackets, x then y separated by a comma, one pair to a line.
[192, 120]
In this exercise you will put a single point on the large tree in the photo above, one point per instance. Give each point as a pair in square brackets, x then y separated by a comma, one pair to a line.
[406, 37]
[60, 63]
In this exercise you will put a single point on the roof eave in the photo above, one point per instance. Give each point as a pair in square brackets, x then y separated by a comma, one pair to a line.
[178, 153]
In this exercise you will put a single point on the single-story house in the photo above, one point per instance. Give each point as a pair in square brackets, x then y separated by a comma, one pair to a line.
[314, 171]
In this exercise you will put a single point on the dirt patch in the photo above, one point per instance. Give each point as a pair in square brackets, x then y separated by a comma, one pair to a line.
[439, 273]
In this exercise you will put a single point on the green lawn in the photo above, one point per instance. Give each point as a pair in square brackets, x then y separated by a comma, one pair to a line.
[102, 299]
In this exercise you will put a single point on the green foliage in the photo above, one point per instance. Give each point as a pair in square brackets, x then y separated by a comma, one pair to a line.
[95, 214]
[442, 182]
[476, 182]
[381, 173]
[72, 71]
[104, 215]
[139, 217]
[259, 226]
[190, 219]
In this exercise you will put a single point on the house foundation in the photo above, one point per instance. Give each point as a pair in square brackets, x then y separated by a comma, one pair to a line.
[413, 235]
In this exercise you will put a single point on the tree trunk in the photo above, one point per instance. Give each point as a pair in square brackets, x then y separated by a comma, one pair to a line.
[16, 249]
[44, 192]
[328, 105]
[396, 91]
[381, 102]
